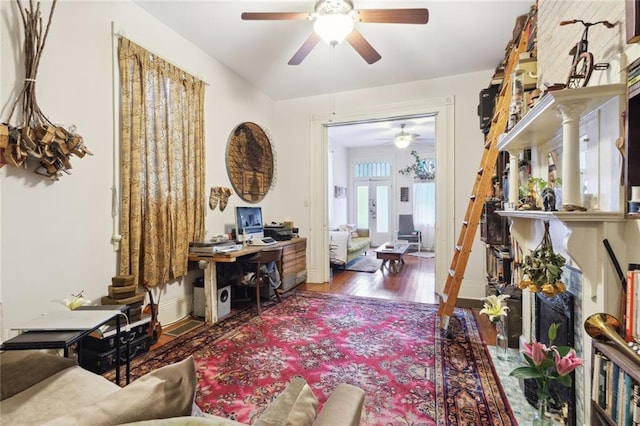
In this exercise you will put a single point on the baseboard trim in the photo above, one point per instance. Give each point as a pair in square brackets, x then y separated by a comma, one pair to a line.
[173, 310]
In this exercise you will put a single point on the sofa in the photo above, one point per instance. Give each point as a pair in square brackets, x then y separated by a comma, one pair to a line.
[346, 245]
[39, 388]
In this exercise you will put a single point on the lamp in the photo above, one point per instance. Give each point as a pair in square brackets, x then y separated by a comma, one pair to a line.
[333, 28]
[402, 140]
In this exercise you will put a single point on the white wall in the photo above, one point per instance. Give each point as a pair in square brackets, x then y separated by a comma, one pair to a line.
[56, 236]
[555, 41]
[338, 175]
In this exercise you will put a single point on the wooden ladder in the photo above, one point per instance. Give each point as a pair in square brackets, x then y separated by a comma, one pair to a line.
[481, 188]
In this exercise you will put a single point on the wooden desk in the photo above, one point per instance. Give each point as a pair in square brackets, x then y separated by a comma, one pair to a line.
[291, 263]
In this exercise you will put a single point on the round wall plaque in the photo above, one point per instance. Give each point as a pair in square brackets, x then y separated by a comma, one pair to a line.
[250, 162]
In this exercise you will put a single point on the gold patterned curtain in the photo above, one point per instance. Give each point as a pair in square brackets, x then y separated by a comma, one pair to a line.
[162, 165]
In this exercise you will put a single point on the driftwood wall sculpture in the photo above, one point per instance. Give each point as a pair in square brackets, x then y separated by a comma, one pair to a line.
[35, 136]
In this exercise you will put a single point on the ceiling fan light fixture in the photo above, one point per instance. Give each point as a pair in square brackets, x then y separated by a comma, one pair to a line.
[402, 140]
[333, 28]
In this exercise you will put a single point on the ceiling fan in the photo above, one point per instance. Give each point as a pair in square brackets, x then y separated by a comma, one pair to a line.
[335, 21]
[403, 138]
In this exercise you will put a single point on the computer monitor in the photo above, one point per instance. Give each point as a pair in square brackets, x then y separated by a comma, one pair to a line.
[249, 223]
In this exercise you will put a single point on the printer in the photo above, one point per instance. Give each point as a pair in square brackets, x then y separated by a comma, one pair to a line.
[277, 232]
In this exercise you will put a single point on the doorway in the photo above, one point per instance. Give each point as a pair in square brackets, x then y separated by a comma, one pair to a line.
[443, 109]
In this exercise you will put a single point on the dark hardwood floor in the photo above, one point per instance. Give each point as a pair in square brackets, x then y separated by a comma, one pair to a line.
[414, 283]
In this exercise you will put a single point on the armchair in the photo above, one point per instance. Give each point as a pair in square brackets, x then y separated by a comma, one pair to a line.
[407, 232]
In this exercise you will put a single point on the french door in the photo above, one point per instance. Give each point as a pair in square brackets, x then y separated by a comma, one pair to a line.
[373, 209]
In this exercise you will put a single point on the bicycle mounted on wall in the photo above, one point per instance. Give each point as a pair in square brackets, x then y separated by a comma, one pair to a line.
[582, 65]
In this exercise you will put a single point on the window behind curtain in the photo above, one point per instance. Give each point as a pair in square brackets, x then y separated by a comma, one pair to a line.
[162, 165]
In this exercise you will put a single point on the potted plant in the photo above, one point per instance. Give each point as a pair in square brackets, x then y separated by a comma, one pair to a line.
[421, 169]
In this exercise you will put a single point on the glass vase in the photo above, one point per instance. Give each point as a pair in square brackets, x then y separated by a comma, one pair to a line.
[542, 418]
[501, 339]
[516, 108]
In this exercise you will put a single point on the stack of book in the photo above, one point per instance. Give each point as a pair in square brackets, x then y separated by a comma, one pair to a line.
[633, 78]
[615, 391]
[123, 291]
[632, 308]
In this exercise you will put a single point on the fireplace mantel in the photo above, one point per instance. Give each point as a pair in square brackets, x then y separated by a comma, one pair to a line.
[579, 237]
[564, 216]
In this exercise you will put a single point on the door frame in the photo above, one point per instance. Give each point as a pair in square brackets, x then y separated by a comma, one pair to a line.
[443, 108]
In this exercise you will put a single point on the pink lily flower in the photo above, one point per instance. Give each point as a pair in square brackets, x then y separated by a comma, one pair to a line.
[568, 363]
[536, 351]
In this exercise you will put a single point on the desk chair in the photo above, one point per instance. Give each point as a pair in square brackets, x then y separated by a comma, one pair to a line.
[256, 261]
[407, 232]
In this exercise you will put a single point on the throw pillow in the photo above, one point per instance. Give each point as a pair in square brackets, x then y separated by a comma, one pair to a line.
[353, 231]
[19, 370]
[166, 392]
[188, 421]
[296, 406]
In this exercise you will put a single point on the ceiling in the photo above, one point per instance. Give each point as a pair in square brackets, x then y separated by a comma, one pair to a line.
[460, 37]
[382, 133]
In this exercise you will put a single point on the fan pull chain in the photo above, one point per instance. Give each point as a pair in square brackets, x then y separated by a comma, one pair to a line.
[332, 96]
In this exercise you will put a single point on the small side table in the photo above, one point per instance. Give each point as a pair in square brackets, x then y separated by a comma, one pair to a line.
[64, 336]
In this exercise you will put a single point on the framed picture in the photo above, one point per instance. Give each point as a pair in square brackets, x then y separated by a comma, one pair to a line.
[340, 191]
[404, 194]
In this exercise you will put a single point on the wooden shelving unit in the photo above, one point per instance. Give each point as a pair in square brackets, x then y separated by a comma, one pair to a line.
[599, 414]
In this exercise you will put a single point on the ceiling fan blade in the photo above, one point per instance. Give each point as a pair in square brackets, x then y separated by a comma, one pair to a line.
[304, 50]
[362, 46]
[274, 16]
[394, 16]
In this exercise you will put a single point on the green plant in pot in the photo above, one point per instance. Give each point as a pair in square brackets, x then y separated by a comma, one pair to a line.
[420, 168]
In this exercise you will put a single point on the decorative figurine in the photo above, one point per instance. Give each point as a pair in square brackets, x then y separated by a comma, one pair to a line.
[548, 200]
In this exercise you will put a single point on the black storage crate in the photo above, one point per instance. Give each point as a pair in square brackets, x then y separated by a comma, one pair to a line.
[108, 341]
[101, 362]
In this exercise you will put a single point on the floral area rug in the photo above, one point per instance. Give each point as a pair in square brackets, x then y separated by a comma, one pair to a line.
[395, 351]
[422, 254]
[364, 264]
